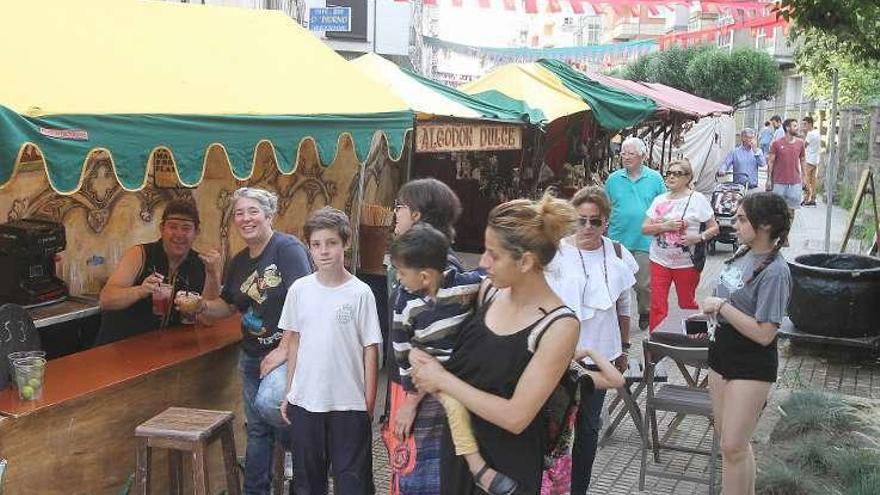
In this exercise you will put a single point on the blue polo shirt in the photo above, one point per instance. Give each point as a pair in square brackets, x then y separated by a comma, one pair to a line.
[629, 204]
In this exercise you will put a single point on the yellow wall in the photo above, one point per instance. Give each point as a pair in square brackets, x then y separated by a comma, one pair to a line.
[102, 220]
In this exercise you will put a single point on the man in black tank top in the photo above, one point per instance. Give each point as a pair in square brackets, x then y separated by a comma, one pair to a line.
[126, 299]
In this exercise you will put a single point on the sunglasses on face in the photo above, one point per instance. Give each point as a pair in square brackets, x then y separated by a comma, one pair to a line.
[594, 222]
[676, 173]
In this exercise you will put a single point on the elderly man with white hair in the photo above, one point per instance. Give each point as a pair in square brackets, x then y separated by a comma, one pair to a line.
[744, 161]
[631, 190]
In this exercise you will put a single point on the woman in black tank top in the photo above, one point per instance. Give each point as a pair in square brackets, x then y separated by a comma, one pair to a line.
[492, 372]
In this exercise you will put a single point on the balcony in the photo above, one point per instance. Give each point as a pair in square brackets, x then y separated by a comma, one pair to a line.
[628, 30]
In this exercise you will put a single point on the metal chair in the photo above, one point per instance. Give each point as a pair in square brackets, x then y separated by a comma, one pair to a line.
[681, 400]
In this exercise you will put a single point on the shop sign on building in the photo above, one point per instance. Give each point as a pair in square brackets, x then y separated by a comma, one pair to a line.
[439, 138]
[333, 19]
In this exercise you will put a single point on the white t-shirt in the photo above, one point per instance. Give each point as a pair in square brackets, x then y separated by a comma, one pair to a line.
[813, 141]
[335, 324]
[668, 249]
[581, 286]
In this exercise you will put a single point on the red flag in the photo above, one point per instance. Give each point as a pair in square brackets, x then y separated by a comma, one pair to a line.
[531, 6]
[509, 4]
[485, 4]
[553, 6]
[576, 6]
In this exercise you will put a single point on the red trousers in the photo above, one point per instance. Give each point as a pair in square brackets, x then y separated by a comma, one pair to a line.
[686, 281]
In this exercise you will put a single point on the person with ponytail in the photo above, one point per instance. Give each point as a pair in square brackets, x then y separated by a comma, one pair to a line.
[511, 354]
[750, 302]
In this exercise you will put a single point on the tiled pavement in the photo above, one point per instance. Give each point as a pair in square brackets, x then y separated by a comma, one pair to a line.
[616, 470]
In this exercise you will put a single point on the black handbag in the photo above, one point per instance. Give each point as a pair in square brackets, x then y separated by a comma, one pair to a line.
[698, 250]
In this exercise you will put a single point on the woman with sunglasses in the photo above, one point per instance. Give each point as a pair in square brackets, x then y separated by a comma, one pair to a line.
[674, 219]
[414, 422]
[592, 275]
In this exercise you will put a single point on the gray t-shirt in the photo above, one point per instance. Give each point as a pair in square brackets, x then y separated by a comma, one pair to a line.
[766, 297]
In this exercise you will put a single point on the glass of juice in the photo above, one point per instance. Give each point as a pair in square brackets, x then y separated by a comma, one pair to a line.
[162, 299]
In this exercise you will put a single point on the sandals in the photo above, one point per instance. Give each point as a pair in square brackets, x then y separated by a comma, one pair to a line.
[501, 484]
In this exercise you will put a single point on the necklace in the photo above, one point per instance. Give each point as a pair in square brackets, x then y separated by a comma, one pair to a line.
[587, 277]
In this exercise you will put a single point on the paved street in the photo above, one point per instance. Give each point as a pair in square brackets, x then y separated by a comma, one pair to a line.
[616, 470]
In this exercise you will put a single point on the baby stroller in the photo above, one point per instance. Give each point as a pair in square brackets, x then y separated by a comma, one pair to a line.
[726, 197]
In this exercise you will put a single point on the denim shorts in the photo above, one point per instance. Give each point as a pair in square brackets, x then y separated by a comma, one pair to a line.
[791, 193]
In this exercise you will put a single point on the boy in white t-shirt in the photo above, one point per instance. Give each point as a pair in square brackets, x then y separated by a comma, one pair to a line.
[332, 365]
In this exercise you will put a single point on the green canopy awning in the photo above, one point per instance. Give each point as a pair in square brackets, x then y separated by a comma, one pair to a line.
[612, 109]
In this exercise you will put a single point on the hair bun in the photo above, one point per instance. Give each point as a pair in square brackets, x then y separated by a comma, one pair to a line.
[557, 216]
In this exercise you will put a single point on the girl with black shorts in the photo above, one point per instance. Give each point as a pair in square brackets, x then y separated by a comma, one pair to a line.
[750, 302]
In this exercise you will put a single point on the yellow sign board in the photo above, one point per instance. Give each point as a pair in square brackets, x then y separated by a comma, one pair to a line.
[439, 138]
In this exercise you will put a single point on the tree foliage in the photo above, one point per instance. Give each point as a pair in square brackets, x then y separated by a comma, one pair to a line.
[837, 41]
[851, 26]
[737, 78]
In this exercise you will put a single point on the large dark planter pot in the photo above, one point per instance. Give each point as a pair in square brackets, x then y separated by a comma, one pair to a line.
[836, 295]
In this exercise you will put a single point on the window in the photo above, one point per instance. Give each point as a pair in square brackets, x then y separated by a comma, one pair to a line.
[358, 20]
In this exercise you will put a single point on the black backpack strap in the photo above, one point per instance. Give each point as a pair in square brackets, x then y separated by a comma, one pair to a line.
[537, 332]
[618, 250]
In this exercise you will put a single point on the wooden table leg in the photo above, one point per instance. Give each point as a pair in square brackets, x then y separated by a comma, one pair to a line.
[142, 477]
[175, 472]
[230, 462]
[200, 471]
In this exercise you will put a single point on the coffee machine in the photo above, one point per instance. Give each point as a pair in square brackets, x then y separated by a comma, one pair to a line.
[27, 262]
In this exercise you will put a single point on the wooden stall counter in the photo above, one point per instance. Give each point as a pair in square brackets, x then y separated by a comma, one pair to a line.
[79, 437]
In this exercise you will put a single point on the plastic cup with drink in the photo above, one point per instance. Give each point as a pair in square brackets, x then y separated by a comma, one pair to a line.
[14, 356]
[162, 299]
[188, 303]
[29, 377]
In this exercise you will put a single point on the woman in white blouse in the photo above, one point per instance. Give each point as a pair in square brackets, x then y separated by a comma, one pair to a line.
[592, 275]
[674, 219]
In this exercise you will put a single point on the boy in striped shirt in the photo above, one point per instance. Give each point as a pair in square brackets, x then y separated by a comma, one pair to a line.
[435, 301]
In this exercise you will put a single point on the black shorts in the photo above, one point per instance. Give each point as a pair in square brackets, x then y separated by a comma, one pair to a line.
[736, 357]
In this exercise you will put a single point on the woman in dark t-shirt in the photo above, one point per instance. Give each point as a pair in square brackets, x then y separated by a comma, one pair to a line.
[255, 285]
[750, 302]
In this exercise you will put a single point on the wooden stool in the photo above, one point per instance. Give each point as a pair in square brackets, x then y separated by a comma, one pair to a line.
[190, 430]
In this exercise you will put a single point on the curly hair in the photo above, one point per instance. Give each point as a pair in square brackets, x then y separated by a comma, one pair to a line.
[768, 209]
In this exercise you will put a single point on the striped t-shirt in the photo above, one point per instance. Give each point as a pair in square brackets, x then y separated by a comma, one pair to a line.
[433, 325]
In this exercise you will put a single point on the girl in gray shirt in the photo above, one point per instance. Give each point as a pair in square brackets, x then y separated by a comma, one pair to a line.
[750, 302]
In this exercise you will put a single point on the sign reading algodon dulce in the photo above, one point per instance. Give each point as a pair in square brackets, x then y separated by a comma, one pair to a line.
[433, 138]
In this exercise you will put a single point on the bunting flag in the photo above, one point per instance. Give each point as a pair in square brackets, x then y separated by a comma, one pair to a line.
[751, 8]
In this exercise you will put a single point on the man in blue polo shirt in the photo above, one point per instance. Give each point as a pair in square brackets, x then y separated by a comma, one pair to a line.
[744, 161]
[631, 191]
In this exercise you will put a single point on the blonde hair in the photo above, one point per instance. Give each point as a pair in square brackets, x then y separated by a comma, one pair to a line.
[524, 225]
[684, 164]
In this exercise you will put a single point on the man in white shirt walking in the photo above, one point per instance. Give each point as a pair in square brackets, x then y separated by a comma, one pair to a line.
[813, 142]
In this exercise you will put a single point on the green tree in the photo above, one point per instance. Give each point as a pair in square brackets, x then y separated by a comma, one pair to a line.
[851, 26]
[736, 78]
[837, 34]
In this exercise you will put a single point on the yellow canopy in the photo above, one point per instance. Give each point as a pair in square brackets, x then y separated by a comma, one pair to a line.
[532, 84]
[148, 57]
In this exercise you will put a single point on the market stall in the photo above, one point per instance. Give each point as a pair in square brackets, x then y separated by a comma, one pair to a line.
[477, 147]
[579, 117]
[119, 106]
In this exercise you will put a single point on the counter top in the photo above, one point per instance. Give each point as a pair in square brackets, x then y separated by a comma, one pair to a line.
[72, 308]
[80, 375]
